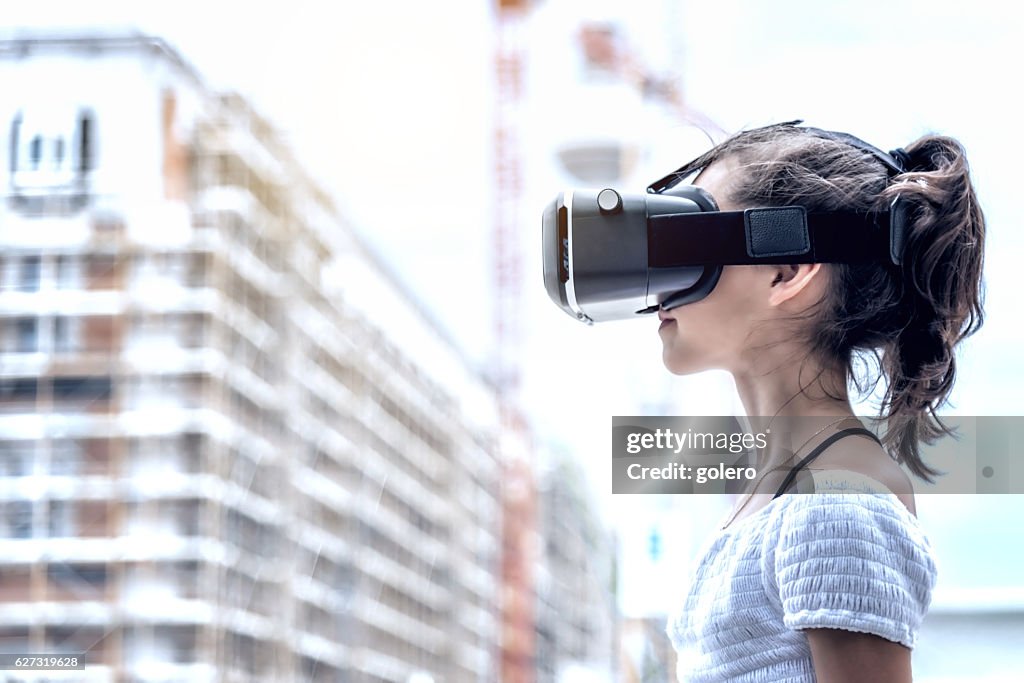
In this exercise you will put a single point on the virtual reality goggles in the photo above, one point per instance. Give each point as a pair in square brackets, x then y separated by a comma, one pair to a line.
[613, 256]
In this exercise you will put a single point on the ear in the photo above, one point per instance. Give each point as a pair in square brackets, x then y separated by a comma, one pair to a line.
[788, 281]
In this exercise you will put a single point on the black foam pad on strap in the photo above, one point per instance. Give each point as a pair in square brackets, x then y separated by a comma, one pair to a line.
[773, 235]
[776, 232]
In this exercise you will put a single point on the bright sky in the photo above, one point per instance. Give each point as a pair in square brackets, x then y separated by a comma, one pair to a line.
[390, 105]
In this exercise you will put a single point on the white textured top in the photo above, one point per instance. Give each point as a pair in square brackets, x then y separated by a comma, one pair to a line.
[856, 560]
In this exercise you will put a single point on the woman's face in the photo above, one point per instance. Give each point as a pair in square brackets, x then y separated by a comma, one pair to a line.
[726, 329]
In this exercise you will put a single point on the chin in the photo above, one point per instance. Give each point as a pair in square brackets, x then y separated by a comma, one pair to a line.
[683, 363]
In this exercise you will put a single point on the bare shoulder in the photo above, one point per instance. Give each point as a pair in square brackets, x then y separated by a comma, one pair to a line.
[864, 458]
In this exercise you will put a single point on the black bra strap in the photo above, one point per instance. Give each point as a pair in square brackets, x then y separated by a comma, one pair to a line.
[787, 482]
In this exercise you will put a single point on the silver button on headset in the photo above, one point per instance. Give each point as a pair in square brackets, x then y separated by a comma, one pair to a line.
[609, 201]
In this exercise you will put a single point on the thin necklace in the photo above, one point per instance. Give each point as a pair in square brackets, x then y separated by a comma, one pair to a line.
[750, 496]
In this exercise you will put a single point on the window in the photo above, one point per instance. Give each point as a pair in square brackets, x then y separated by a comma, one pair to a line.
[243, 651]
[61, 519]
[193, 332]
[26, 335]
[184, 514]
[66, 458]
[17, 458]
[69, 272]
[58, 153]
[18, 392]
[28, 274]
[77, 639]
[35, 151]
[67, 333]
[185, 577]
[19, 519]
[85, 581]
[15, 143]
[176, 643]
[197, 270]
[14, 639]
[84, 389]
[86, 144]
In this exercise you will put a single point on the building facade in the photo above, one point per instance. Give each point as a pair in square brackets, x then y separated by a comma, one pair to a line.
[217, 463]
[577, 616]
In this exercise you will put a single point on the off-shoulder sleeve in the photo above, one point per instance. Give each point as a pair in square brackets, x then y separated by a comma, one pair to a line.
[850, 561]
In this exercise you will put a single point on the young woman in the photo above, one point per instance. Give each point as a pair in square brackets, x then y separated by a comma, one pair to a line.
[830, 586]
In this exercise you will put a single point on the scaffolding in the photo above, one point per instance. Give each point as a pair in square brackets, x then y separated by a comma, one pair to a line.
[215, 469]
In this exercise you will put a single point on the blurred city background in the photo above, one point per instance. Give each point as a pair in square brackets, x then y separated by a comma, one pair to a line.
[282, 397]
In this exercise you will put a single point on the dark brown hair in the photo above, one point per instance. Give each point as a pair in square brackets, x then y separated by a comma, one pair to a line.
[908, 318]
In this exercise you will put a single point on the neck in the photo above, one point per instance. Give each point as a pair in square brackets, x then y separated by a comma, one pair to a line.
[794, 401]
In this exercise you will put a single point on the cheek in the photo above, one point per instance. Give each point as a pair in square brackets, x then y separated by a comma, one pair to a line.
[735, 299]
[718, 314]
[720, 324]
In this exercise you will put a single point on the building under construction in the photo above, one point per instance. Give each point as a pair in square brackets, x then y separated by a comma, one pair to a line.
[214, 463]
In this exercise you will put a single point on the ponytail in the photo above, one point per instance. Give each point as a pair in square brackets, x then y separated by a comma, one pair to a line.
[941, 301]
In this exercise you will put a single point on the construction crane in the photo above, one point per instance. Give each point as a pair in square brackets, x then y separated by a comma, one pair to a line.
[519, 488]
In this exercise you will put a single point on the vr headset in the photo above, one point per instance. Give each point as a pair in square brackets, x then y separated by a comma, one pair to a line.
[613, 256]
